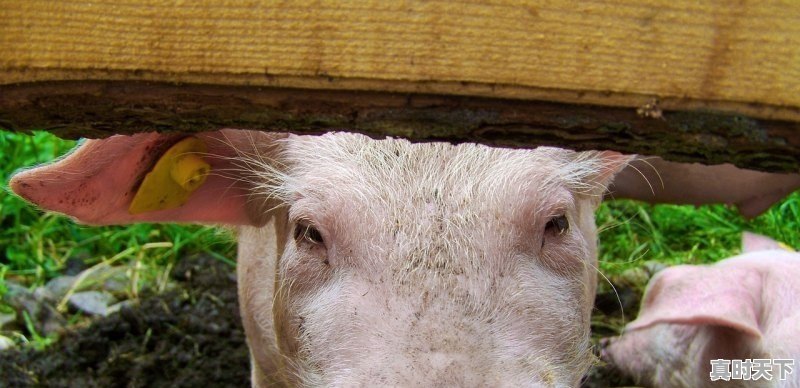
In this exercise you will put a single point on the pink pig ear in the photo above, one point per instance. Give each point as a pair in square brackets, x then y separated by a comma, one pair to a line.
[752, 242]
[96, 183]
[699, 295]
[602, 166]
[611, 163]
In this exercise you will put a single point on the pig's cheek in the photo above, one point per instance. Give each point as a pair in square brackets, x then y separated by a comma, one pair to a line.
[299, 275]
[566, 257]
[305, 270]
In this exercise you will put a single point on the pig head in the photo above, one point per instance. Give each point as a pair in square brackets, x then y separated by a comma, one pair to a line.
[365, 262]
[745, 307]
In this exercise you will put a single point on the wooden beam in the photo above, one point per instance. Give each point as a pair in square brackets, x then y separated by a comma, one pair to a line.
[740, 57]
[705, 81]
[102, 108]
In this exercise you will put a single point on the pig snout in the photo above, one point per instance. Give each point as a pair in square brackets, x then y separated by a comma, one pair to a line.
[742, 308]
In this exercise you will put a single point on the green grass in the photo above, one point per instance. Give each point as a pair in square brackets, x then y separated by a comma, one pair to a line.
[632, 233]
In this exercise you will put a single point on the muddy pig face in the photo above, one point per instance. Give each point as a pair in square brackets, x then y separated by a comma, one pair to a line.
[431, 263]
[381, 262]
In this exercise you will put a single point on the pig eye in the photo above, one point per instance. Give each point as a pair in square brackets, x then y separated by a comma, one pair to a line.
[557, 225]
[307, 233]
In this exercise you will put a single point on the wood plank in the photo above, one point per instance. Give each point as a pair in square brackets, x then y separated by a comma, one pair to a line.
[736, 56]
[102, 108]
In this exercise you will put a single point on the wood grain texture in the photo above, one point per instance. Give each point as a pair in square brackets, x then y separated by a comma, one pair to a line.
[741, 56]
[103, 108]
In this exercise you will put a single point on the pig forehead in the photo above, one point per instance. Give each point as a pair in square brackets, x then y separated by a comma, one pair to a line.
[352, 168]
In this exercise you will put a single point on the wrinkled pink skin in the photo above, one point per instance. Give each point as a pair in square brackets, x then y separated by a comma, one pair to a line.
[437, 266]
[744, 307]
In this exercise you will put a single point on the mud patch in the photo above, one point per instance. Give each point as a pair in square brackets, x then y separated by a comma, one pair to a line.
[188, 337]
[613, 308]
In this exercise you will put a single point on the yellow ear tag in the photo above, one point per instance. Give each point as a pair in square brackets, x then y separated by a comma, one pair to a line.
[786, 247]
[173, 179]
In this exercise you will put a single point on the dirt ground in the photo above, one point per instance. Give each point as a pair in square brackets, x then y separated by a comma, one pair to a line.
[189, 337]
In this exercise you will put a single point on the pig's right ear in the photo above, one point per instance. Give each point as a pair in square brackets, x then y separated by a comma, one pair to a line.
[752, 242]
[699, 295]
[97, 183]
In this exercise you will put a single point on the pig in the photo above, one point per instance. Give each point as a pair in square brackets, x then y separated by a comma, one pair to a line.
[655, 180]
[373, 263]
[368, 262]
[742, 308]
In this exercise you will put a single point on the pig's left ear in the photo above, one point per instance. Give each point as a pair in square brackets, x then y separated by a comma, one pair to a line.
[600, 168]
[151, 177]
[611, 163]
[698, 295]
